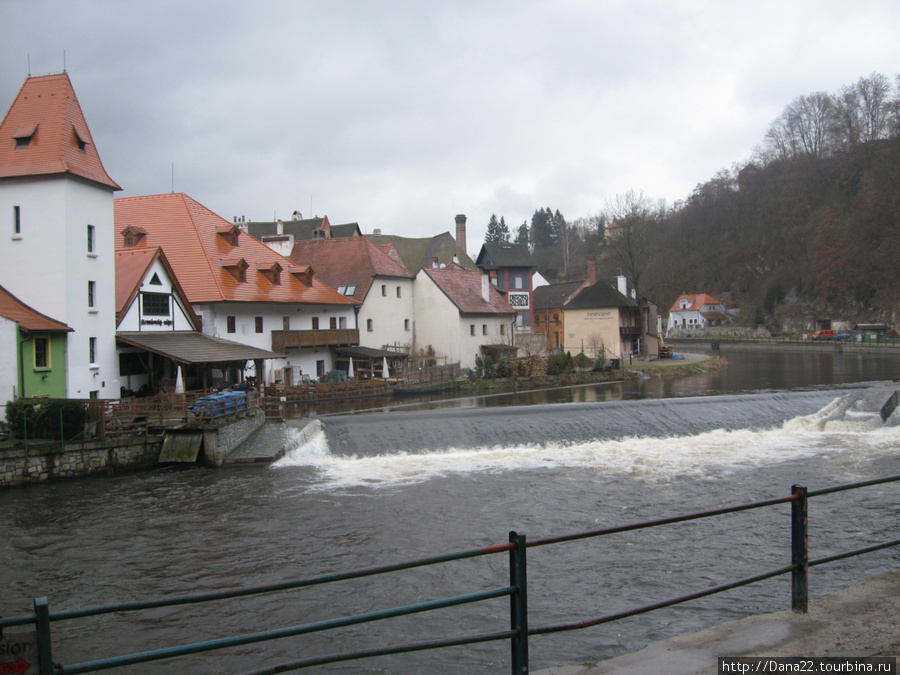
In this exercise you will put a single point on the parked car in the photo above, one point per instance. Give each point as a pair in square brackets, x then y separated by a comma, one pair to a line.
[843, 337]
[825, 334]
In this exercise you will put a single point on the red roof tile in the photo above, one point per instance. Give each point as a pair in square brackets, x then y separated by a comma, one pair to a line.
[28, 319]
[47, 111]
[190, 235]
[348, 261]
[463, 287]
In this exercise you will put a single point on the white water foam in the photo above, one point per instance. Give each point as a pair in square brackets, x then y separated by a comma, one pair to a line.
[708, 455]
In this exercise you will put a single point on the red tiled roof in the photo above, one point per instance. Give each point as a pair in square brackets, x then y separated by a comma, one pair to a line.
[348, 261]
[28, 319]
[47, 110]
[463, 287]
[190, 236]
[696, 302]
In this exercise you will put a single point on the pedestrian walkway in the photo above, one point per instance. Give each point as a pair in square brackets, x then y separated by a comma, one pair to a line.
[861, 620]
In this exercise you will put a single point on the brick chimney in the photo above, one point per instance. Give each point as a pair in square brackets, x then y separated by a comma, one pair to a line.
[461, 231]
[591, 272]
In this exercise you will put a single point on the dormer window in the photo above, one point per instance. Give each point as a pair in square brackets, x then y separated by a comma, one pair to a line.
[273, 273]
[131, 236]
[82, 144]
[23, 135]
[303, 274]
[237, 269]
[230, 233]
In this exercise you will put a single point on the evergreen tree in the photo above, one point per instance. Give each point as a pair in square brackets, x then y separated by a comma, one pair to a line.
[522, 235]
[497, 232]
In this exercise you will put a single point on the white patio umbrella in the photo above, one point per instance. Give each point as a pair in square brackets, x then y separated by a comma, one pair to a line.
[350, 369]
[179, 381]
[385, 373]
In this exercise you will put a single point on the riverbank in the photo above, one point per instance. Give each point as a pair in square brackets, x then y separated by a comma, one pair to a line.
[858, 621]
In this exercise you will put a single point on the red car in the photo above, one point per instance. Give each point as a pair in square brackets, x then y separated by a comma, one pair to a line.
[824, 334]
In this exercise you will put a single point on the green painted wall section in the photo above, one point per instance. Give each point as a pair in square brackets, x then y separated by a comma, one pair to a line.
[43, 381]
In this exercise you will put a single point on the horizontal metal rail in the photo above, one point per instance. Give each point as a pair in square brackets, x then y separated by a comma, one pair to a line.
[264, 636]
[516, 590]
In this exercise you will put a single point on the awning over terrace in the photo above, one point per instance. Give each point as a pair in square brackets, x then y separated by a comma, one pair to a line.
[165, 351]
[191, 347]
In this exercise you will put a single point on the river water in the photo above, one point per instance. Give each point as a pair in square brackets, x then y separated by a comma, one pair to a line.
[383, 488]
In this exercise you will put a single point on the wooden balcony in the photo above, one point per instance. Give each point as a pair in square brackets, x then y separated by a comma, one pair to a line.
[298, 339]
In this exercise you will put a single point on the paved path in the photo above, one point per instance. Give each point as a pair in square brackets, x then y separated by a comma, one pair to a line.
[861, 620]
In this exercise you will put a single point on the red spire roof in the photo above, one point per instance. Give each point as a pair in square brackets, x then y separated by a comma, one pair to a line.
[45, 133]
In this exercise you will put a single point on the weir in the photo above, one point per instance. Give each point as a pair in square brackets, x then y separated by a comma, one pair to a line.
[369, 434]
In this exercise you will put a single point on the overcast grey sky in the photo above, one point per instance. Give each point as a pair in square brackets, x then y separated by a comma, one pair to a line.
[401, 114]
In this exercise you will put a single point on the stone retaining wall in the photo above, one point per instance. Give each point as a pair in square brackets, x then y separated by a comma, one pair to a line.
[21, 465]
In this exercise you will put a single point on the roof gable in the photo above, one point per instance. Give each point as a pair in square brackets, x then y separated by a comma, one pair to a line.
[204, 261]
[45, 133]
[132, 268]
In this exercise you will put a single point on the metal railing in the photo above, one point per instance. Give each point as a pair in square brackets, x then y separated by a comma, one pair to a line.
[518, 630]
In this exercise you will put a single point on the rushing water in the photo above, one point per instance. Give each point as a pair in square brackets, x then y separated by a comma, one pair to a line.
[327, 508]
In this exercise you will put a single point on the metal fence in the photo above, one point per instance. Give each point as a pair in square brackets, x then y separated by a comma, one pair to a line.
[517, 632]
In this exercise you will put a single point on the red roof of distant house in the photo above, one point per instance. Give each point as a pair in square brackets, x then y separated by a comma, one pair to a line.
[28, 319]
[696, 302]
[463, 287]
[348, 261]
[202, 247]
[47, 122]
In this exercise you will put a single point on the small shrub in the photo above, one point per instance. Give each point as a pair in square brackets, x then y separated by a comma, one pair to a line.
[48, 419]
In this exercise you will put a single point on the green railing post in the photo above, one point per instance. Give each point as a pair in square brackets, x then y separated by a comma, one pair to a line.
[42, 624]
[799, 550]
[518, 604]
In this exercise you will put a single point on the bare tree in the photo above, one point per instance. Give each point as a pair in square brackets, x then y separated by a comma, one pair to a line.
[873, 94]
[629, 244]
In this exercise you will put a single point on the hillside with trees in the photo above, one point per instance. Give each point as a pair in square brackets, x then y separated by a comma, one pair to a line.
[808, 228]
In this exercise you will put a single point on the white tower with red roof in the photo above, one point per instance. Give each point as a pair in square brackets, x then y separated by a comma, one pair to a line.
[56, 228]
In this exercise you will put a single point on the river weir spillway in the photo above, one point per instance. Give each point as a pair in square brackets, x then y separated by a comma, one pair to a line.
[373, 434]
[654, 439]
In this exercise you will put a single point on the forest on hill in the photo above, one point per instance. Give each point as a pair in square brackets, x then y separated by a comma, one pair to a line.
[808, 228]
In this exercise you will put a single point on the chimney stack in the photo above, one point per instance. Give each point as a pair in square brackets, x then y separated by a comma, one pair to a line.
[622, 282]
[279, 227]
[434, 262]
[461, 232]
[485, 287]
[591, 272]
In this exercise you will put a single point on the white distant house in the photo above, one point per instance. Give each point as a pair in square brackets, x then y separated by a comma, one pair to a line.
[696, 312]
[57, 201]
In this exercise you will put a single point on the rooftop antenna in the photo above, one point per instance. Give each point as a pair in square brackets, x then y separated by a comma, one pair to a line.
[173, 178]
[29, 65]
[64, 60]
